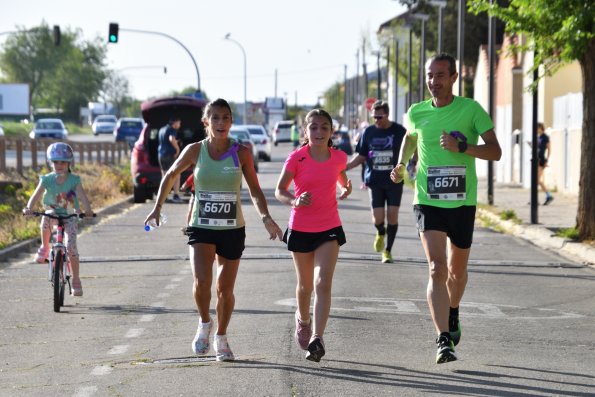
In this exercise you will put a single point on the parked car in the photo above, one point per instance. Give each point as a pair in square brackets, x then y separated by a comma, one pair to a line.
[342, 141]
[242, 135]
[49, 128]
[1, 130]
[128, 130]
[104, 124]
[144, 162]
[262, 140]
[282, 131]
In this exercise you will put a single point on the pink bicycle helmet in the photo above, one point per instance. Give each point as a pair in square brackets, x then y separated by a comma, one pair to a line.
[60, 151]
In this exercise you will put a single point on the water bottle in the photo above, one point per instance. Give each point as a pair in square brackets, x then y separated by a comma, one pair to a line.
[152, 225]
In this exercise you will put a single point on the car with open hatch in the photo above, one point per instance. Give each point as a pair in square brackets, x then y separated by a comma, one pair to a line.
[144, 162]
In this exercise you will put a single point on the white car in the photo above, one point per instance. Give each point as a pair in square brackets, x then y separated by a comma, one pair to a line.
[262, 140]
[104, 124]
[1, 130]
[282, 131]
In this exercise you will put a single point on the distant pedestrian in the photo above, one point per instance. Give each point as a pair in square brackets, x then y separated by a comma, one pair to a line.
[445, 129]
[314, 233]
[217, 228]
[169, 150]
[61, 193]
[378, 148]
[544, 150]
[295, 134]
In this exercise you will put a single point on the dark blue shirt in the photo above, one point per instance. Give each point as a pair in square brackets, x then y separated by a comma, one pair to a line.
[165, 146]
[542, 142]
[381, 147]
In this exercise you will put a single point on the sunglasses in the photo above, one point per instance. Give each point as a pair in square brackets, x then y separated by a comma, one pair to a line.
[378, 117]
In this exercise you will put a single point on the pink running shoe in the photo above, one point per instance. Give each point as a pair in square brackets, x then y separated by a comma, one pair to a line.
[303, 332]
[77, 287]
[42, 255]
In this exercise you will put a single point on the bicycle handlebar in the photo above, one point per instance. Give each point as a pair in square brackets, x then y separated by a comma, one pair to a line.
[82, 215]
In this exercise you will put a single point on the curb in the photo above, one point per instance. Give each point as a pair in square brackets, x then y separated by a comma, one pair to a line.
[543, 238]
[28, 245]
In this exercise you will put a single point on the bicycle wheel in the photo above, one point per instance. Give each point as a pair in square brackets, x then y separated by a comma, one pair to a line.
[58, 261]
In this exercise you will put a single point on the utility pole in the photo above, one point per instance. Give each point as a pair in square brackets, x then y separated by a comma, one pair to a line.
[492, 68]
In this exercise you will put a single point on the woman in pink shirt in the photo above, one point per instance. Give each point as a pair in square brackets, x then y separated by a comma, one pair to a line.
[314, 233]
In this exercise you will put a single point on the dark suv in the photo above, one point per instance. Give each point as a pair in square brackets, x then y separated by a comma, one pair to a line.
[144, 164]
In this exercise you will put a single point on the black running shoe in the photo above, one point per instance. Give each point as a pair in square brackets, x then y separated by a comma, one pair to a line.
[454, 328]
[548, 200]
[446, 350]
[315, 350]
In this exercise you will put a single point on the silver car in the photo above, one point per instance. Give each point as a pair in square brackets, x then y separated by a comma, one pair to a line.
[104, 124]
[49, 128]
[262, 140]
[242, 135]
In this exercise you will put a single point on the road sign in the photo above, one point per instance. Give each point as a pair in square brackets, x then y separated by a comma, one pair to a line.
[369, 102]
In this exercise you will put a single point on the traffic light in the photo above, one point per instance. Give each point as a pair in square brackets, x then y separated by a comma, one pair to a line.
[113, 33]
[57, 35]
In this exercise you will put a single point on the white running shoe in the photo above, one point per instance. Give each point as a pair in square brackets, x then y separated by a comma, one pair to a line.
[200, 344]
[222, 350]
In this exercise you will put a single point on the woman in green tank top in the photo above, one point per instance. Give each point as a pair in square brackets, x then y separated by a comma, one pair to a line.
[216, 229]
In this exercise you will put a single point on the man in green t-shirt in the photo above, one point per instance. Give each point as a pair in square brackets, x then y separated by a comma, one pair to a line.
[445, 130]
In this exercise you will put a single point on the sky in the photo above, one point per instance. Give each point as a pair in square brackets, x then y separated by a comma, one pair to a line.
[294, 49]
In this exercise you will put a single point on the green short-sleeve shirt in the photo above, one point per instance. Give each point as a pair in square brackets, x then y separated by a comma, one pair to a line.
[60, 198]
[427, 123]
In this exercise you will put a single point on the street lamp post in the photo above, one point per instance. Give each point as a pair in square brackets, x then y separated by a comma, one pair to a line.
[378, 75]
[440, 4]
[422, 53]
[228, 37]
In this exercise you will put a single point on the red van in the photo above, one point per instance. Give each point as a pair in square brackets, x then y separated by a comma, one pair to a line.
[144, 163]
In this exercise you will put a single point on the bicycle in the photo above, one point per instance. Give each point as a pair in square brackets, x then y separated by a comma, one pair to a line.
[59, 264]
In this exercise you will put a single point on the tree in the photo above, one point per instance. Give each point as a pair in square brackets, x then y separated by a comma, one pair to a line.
[64, 77]
[115, 90]
[561, 31]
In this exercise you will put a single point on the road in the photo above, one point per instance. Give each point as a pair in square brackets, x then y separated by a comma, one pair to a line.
[11, 157]
[527, 317]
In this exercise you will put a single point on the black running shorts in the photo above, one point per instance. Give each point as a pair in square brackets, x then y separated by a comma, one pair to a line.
[389, 194]
[229, 243]
[458, 223]
[308, 242]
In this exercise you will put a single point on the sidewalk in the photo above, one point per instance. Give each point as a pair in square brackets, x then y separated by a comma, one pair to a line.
[560, 213]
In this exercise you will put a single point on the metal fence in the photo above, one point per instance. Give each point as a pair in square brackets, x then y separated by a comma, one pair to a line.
[30, 153]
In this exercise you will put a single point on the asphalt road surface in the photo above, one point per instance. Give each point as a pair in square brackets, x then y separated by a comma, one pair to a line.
[527, 317]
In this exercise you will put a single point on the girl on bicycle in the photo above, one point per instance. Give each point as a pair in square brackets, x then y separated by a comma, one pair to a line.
[60, 193]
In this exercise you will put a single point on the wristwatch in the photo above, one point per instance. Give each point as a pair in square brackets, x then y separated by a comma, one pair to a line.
[462, 146]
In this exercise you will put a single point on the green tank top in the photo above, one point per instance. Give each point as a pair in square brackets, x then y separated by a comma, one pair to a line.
[217, 183]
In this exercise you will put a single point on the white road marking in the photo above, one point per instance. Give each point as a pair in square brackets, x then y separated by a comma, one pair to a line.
[419, 306]
[118, 349]
[85, 391]
[101, 370]
[134, 332]
[145, 318]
